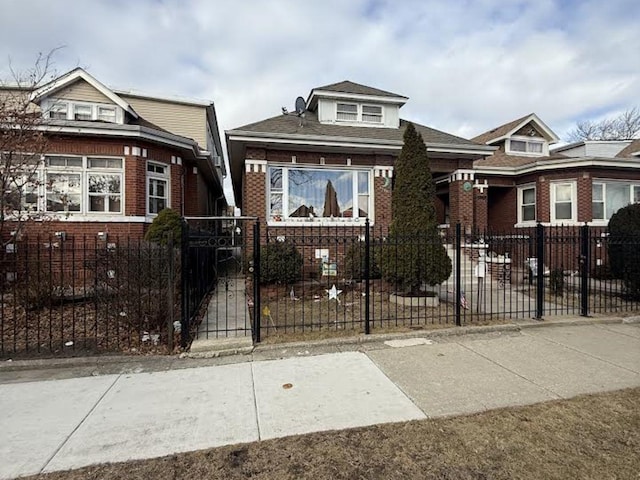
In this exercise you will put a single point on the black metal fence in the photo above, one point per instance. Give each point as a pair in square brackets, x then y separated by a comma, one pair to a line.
[82, 295]
[214, 277]
[342, 284]
[233, 278]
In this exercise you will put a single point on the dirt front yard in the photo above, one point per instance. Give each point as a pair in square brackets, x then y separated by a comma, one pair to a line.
[589, 437]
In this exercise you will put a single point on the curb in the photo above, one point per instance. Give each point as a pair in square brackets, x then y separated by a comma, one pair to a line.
[361, 339]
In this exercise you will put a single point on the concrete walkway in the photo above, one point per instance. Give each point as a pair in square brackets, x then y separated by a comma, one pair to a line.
[279, 391]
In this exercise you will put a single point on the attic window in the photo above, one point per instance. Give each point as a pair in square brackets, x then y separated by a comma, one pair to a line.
[58, 111]
[372, 113]
[525, 146]
[107, 114]
[353, 112]
[82, 112]
[348, 112]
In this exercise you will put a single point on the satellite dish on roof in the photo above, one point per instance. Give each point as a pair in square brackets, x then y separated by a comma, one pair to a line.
[301, 108]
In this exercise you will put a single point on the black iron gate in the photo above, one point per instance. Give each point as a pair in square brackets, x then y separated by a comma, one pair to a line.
[217, 277]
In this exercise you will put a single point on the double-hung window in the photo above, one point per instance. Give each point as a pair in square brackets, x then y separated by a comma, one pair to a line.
[104, 179]
[107, 114]
[347, 112]
[527, 204]
[354, 112]
[63, 184]
[372, 113]
[609, 197]
[83, 184]
[157, 187]
[563, 202]
[22, 193]
[82, 111]
[318, 194]
[58, 111]
[525, 146]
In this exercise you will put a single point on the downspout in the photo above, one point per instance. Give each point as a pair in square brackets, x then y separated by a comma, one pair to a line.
[182, 189]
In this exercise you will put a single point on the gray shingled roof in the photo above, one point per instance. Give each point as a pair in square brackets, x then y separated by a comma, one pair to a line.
[351, 87]
[289, 124]
[633, 147]
[501, 159]
[497, 132]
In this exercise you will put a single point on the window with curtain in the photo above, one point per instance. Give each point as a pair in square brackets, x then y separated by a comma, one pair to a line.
[609, 197]
[307, 193]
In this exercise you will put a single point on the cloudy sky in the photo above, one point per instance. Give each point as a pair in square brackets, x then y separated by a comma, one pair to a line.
[466, 66]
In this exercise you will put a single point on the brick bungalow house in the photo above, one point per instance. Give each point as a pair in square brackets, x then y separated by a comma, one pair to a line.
[528, 182]
[333, 166]
[116, 158]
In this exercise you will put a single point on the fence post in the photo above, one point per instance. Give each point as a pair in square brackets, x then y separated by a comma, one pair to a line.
[257, 311]
[585, 262]
[540, 271]
[367, 274]
[170, 293]
[458, 292]
[184, 271]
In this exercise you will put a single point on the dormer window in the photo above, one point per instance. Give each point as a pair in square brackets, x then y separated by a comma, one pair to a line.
[347, 112]
[58, 111]
[107, 114]
[372, 113]
[354, 112]
[526, 146]
[82, 112]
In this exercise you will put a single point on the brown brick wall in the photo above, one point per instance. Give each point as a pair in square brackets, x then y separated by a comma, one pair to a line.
[135, 184]
[480, 209]
[81, 230]
[461, 204]
[501, 208]
[382, 196]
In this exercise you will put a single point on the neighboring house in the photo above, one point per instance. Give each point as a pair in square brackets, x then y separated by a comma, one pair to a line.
[527, 182]
[333, 166]
[116, 158]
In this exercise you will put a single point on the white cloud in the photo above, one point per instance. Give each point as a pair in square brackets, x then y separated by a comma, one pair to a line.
[466, 66]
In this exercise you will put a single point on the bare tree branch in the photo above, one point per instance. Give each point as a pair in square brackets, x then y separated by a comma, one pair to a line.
[625, 126]
[22, 146]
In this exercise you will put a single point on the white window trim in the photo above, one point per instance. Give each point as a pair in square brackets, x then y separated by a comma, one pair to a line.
[84, 172]
[362, 114]
[318, 221]
[574, 203]
[521, 189]
[157, 176]
[603, 181]
[528, 140]
[359, 114]
[48, 104]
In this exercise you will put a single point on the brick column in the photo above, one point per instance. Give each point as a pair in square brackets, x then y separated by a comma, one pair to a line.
[585, 198]
[383, 177]
[461, 199]
[254, 197]
[480, 208]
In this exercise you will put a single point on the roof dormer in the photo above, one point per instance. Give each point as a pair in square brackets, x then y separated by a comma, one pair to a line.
[77, 96]
[351, 104]
[526, 136]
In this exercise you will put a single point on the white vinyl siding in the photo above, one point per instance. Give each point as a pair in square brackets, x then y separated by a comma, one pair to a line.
[181, 119]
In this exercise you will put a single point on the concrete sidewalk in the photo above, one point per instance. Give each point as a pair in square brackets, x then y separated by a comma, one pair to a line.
[72, 422]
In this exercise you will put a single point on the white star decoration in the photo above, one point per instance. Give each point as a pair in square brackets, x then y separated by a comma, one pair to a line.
[333, 293]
